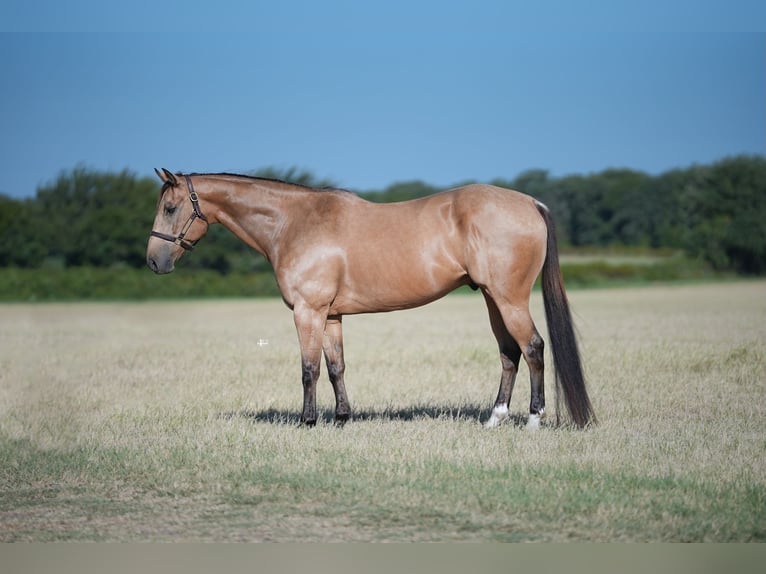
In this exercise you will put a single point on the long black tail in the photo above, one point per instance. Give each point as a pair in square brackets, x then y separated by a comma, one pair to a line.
[566, 357]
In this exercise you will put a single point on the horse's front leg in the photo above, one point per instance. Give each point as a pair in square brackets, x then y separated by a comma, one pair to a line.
[311, 325]
[336, 367]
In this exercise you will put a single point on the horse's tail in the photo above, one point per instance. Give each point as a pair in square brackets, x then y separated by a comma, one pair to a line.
[566, 357]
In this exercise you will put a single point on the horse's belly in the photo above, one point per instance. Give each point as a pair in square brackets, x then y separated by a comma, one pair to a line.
[385, 288]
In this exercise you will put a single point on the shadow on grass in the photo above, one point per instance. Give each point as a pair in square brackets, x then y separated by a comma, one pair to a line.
[416, 413]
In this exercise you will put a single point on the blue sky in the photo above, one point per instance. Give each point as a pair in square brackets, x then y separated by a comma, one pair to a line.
[369, 93]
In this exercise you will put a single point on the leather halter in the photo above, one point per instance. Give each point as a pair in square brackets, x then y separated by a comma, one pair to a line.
[196, 213]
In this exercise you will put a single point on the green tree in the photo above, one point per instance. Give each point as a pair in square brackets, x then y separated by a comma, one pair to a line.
[714, 212]
[725, 211]
[661, 218]
[83, 218]
[20, 244]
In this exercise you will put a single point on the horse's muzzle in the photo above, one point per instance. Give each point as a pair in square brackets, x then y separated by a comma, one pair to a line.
[160, 267]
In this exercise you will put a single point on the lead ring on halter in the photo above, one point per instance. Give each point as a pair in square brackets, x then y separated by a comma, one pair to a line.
[196, 213]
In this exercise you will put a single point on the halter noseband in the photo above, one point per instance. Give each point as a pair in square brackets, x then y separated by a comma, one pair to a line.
[196, 213]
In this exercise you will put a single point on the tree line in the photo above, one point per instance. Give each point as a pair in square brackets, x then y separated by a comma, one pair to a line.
[714, 212]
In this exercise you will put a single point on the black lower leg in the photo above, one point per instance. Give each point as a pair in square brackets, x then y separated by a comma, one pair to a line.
[310, 376]
[342, 406]
[535, 359]
[510, 361]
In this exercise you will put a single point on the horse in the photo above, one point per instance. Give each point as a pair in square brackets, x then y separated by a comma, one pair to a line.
[334, 253]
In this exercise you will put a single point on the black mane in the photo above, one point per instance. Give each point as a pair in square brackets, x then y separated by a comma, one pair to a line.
[272, 180]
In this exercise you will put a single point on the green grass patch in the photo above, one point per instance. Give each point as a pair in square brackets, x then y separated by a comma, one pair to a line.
[86, 496]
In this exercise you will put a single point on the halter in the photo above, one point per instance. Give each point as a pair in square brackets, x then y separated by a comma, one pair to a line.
[196, 213]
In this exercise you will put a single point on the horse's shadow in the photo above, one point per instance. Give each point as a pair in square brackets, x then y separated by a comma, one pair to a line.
[475, 413]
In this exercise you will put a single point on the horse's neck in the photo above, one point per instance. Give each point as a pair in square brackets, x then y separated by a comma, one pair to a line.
[255, 211]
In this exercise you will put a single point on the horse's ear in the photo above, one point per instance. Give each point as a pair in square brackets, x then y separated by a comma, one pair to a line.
[166, 176]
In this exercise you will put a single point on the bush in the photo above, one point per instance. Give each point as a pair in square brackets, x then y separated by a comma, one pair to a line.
[91, 283]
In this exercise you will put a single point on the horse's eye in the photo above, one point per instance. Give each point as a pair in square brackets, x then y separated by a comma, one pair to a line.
[170, 209]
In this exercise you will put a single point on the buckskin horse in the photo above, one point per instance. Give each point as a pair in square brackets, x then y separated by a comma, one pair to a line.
[335, 254]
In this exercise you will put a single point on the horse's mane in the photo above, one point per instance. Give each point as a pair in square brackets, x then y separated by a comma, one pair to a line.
[271, 180]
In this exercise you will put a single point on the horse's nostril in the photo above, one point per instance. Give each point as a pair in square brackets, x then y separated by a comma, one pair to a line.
[152, 264]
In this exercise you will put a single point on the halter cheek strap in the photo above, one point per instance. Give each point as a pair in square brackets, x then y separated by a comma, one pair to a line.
[196, 213]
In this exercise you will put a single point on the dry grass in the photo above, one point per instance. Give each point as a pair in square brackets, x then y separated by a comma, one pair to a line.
[167, 421]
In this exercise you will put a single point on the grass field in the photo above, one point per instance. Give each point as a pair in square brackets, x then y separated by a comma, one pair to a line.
[168, 421]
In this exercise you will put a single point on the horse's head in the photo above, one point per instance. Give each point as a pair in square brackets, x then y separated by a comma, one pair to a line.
[175, 227]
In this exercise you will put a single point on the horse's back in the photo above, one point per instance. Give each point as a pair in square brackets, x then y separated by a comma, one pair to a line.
[408, 253]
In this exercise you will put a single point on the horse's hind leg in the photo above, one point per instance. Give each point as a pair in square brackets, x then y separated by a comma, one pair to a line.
[510, 355]
[336, 367]
[521, 327]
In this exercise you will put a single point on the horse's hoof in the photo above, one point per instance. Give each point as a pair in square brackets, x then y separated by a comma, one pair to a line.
[499, 414]
[534, 422]
[342, 419]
